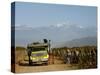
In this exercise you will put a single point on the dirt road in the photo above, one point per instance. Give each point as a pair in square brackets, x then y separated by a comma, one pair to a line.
[57, 66]
[53, 67]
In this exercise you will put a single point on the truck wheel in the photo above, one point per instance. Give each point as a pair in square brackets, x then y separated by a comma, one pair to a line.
[46, 63]
[30, 63]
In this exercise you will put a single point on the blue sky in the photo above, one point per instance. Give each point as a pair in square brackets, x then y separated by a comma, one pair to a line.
[39, 14]
[36, 21]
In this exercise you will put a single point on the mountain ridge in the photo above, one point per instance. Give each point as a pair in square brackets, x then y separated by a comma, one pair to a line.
[85, 41]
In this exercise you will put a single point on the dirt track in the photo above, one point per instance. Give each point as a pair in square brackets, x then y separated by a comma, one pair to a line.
[57, 66]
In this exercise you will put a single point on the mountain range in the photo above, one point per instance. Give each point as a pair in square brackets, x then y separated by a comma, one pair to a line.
[66, 35]
[86, 41]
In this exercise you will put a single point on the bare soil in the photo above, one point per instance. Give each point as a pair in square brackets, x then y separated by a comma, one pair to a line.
[58, 65]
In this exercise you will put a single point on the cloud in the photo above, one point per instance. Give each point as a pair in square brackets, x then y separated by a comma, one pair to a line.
[60, 25]
[23, 27]
[65, 24]
[69, 25]
[81, 27]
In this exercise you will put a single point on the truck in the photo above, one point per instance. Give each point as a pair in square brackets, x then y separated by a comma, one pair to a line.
[37, 53]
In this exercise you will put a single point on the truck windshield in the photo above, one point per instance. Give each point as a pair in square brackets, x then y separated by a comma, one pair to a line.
[37, 49]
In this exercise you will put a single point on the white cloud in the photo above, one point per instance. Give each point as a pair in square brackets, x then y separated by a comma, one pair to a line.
[81, 27]
[59, 25]
[23, 27]
[69, 25]
[63, 25]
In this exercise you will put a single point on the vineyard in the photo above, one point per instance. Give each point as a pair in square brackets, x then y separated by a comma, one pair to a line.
[61, 59]
[83, 57]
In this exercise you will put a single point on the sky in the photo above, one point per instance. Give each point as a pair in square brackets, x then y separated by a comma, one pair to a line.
[39, 14]
[57, 22]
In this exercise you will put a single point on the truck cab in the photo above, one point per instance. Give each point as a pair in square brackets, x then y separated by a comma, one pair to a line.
[38, 53]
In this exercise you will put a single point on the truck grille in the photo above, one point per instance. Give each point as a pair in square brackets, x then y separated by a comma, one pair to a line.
[37, 55]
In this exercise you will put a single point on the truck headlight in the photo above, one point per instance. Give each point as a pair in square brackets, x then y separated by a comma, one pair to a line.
[46, 56]
[32, 58]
